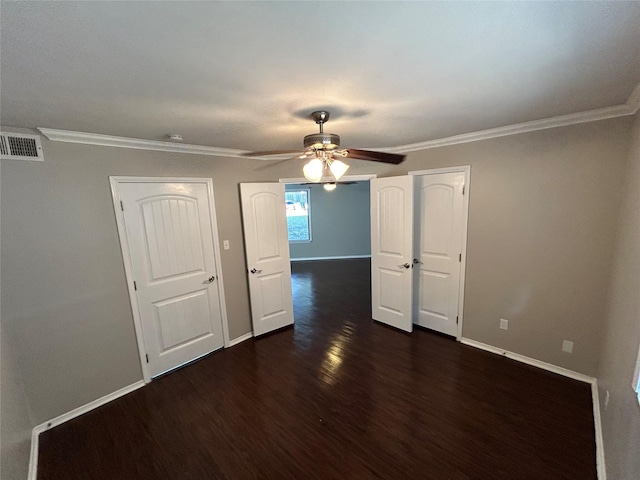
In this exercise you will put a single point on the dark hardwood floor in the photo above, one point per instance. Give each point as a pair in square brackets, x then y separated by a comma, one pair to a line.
[337, 397]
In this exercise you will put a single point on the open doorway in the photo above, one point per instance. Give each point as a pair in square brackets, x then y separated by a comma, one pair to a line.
[328, 225]
[395, 239]
[329, 230]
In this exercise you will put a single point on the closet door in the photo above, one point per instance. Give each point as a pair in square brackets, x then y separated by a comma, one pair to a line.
[170, 242]
[440, 250]
[392, 251]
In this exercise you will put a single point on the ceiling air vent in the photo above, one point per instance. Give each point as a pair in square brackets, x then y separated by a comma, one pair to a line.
[18, 146]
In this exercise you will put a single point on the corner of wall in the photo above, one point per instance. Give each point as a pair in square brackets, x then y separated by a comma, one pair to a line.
[17, 419]
[621, 331]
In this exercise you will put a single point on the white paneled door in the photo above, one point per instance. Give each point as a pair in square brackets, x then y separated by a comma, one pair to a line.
[267, 251]
[392, 251]
[170, 240]
[440, 250]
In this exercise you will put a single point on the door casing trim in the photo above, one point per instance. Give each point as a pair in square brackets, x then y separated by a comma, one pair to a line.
[115, 181]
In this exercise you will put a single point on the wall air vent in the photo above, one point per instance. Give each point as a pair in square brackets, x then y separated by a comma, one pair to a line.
[19, 146]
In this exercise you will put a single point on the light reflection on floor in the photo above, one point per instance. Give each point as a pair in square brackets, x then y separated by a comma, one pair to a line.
[311, 290]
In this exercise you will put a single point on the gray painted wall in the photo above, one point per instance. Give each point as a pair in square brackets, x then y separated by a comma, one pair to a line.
[16, 420]
[621, 420]
[340, 222]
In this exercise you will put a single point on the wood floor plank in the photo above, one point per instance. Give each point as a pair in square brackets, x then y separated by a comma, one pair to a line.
[337, 396]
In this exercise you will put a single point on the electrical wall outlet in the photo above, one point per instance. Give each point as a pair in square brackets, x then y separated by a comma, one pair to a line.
[567, 346]
[225, 244]
[504, 324]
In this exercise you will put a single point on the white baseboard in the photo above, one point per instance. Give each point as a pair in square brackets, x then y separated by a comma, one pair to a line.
[33, 457]
[482, 346]
[65, 417]
[529, 361]
[344, 257]
[241, 339]
[597, 423]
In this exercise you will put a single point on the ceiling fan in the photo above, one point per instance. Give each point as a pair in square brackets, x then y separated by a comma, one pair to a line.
[325, 153]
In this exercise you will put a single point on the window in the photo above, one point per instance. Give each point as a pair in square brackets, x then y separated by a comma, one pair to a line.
[298, 215]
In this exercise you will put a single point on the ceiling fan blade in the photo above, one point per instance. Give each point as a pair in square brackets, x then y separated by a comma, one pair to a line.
[273, 164]
[270, 152]
[371, 156]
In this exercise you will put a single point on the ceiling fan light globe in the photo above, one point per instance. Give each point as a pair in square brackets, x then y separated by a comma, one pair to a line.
[338, 168]
[329, 186]
[313, 170]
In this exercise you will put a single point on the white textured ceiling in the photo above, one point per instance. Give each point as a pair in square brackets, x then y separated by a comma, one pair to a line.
[245, 75]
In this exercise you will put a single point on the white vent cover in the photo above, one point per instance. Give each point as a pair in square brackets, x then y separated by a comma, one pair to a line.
[19, 146]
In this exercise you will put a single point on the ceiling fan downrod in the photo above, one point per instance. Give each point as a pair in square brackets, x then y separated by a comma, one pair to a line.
[320, 117]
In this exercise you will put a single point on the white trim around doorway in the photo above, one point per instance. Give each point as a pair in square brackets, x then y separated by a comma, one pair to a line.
[346, 178]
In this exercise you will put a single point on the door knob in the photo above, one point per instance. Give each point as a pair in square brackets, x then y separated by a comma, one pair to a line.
[211, 278]
[405, 265]
[253, 270]
[416, 261]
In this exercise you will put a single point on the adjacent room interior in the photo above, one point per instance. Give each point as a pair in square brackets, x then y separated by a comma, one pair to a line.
[338, 222]
[124, 122]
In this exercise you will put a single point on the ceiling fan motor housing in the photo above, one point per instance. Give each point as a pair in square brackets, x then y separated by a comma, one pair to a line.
[322, 141]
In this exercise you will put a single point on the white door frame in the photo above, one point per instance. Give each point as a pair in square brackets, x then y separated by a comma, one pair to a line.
[115, 181]
[466, 169]
[346, 178]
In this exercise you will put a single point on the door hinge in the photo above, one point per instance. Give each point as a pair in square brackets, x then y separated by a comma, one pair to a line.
[121, 206]
[460, 258]
[457, 320]
[147, 357]
[463, 187]
[135, 286]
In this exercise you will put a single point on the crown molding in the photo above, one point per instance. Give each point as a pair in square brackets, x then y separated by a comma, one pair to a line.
[138, 143]
[532, 126]
[631, 106]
